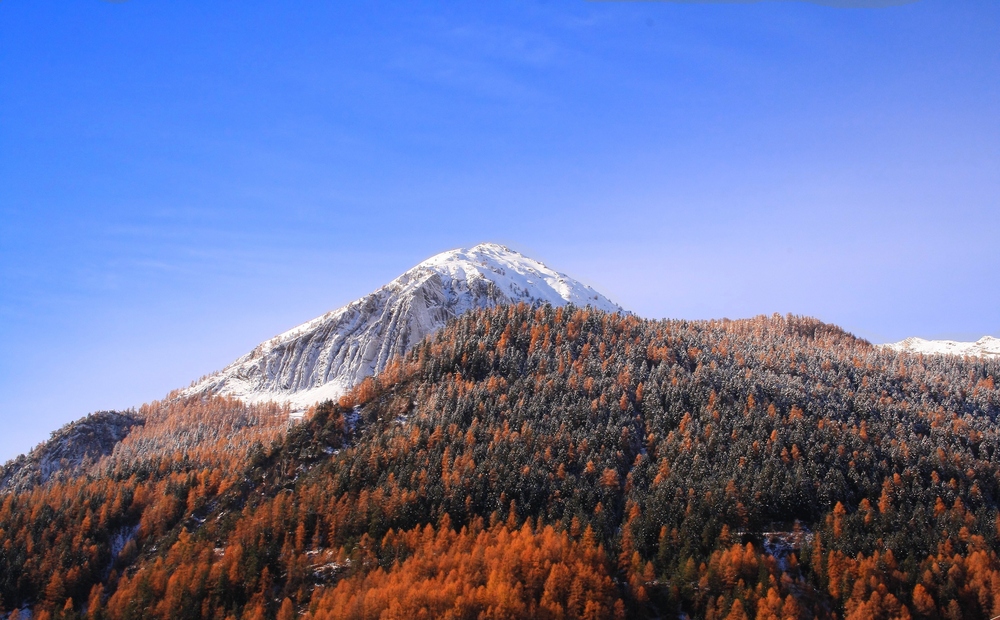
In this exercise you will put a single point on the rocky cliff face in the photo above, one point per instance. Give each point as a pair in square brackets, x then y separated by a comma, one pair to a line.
[324, 357]
[69, 451]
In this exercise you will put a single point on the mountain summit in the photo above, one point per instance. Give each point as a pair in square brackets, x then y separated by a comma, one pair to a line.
[324, 357]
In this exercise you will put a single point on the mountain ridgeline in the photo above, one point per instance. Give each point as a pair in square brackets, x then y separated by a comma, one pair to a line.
[548, 462]
[73, 447]
[330, 354]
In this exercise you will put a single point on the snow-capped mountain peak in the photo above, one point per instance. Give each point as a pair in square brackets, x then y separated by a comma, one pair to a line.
[987, 346]
[324, 357]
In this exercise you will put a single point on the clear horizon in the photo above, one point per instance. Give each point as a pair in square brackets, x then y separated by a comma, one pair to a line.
[179, 182]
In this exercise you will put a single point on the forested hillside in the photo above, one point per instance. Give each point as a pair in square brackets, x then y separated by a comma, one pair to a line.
[69, 450]
[550, 463]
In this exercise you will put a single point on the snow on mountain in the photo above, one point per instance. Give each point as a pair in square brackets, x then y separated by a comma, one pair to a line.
[987, 346]
[69, 451]
[324, 357]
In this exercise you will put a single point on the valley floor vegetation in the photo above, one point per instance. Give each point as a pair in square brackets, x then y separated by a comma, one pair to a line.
[539, 462]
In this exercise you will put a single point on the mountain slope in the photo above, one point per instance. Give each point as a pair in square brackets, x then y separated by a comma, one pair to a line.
[553, 464]
[324, 357]
[68, 450]
[987, 346]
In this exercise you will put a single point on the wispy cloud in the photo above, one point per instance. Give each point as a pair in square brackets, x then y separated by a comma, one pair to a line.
[844, 4]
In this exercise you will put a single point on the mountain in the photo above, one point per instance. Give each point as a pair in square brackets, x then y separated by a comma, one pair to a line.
[324, 357]
[547, 463]
[69, 449]
[528, 460]
[987, 346]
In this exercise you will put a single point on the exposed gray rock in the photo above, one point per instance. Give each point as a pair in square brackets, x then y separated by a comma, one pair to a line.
[69, 451]
[326, 356]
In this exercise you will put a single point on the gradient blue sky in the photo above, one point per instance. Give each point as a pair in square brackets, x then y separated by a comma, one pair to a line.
[181, 180]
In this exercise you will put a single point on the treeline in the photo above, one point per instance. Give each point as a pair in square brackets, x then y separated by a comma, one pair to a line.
[554, 462]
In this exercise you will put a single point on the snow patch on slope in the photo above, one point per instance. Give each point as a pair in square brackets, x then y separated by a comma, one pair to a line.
[987, 346]
[324, 357]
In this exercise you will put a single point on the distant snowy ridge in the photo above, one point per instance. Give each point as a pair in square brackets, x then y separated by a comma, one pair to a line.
[987, 346]
[324, 357]
[69, 451]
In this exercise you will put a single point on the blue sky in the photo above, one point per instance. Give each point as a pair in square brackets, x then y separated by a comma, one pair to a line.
[181, 180]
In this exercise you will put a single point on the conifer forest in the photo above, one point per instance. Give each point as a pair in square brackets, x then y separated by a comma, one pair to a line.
[544, 462]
